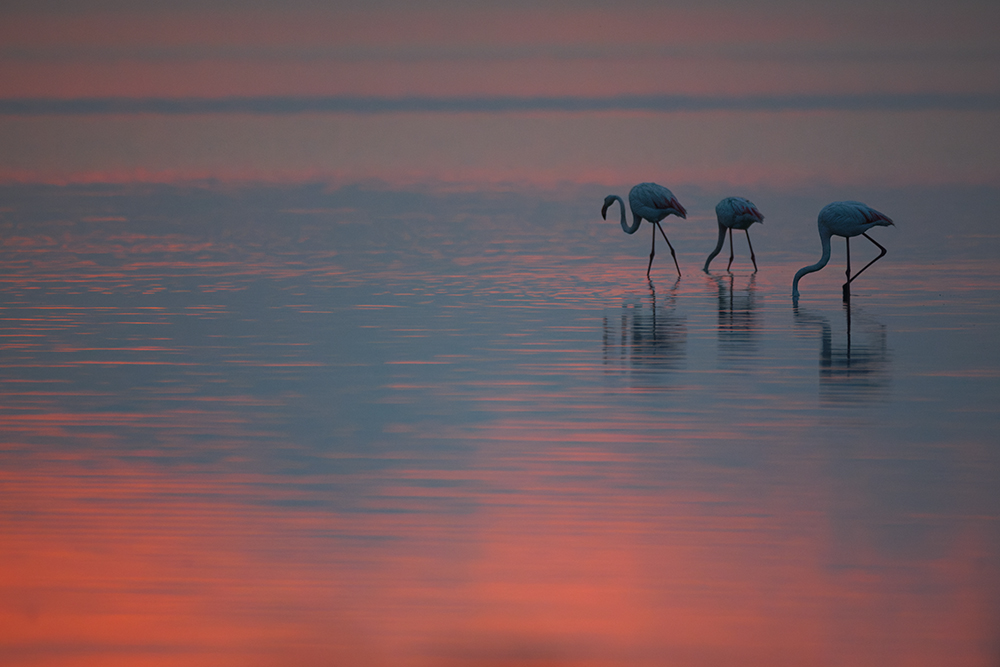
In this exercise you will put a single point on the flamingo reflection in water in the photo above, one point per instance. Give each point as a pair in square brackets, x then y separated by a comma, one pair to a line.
[734, 213]
[857, 370]
[847, 219]
[646, 340]
[737, 319]
[652, 202]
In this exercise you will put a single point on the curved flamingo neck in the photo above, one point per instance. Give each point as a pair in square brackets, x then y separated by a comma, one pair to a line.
[634, 227]
[718, 247]
[824, 237]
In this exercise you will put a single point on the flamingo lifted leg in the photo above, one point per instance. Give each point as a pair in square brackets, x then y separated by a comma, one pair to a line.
[850, 278]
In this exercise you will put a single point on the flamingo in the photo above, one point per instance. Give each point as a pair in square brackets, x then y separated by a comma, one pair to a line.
[847, 219]
[651, 202]
[734, 213]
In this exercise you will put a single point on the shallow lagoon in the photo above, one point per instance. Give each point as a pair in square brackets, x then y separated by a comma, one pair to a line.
[298, 426]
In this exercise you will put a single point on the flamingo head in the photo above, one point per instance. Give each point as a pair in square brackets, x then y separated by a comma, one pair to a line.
[608, 201]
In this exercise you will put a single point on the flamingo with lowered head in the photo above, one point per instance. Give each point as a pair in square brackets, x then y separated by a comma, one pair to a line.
[651, 202]
[734, 213]
[847, 219]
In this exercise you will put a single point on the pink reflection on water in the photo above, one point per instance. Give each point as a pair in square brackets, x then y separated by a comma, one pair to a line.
[116, 567]
[569, 557]
[571, 522]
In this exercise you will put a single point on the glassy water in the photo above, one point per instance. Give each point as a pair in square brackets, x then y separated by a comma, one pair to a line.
[298, 427]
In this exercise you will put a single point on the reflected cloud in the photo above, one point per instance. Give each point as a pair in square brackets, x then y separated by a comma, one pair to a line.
[737, 321]
[646, 338]
[854, 367]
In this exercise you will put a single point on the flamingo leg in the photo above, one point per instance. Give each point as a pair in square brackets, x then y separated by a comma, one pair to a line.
[672, 253]
[752, 258]
[730, 249]
[848, 309]
[847, 285]
[652, 252]
[880, 256]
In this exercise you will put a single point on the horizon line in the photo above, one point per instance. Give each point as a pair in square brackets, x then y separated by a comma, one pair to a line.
[279, 105]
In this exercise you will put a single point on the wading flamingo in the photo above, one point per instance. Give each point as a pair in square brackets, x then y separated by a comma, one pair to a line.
[847, 219]
[651, 202]
[734, 213]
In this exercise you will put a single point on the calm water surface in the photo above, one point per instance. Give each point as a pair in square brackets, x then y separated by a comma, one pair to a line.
[294, 427]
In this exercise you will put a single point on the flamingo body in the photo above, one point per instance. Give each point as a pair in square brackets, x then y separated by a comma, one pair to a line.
[734, 213]
[847, 219]
[652, 202]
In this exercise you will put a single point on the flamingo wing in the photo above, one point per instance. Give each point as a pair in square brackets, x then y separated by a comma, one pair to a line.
[746, 208]
[658, 202]
[876, 217]
[664, 203]
[737, 213]
[850, 218]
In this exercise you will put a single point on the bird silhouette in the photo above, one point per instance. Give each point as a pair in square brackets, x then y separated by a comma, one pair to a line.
[651, 202]
[734, 213]
[847, 219]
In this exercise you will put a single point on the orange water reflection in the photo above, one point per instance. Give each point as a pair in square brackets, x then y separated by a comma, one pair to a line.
[131, 566]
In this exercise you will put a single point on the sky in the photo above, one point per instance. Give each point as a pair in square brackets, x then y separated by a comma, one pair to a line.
[776, 93]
